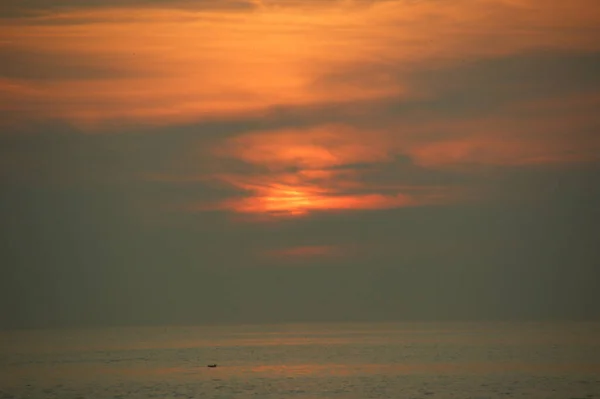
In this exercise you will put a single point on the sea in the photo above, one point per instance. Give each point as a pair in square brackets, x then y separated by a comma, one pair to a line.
[301, 361]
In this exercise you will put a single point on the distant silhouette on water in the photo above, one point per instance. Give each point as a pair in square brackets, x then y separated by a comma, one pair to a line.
[211, 365]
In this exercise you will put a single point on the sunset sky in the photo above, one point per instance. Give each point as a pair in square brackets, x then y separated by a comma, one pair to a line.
[205, 161]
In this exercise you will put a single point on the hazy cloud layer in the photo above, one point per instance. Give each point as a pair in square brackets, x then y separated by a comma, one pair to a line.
[298, 160]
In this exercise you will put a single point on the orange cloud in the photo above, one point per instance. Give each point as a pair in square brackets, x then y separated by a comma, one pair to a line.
[316, 170]
[306, 252]
[314, 148]
[539, 132]
[291, 201]
[498, 151]
[183, 64]
[267, 196]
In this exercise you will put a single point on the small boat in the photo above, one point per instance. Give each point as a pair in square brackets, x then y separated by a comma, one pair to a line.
[211, 365]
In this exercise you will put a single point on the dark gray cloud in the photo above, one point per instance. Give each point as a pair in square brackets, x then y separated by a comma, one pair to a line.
[24, 8]
[487, 84]
[21, 64]
[69, 253]
[475, 87]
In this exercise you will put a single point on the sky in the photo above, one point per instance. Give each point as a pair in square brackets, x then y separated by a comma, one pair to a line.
[265, 161]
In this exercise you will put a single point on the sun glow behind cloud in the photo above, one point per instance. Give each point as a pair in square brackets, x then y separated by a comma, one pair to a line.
[315, 170]
[108, 69]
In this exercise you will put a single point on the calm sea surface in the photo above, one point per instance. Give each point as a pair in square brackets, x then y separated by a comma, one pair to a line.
[351, 361]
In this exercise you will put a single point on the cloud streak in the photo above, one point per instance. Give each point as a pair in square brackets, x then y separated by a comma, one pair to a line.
[193, 64]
